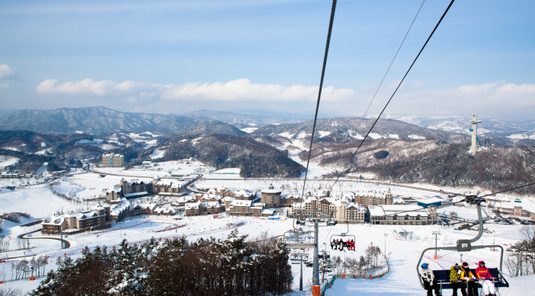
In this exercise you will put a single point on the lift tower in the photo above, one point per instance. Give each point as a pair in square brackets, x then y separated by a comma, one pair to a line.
[474, 122]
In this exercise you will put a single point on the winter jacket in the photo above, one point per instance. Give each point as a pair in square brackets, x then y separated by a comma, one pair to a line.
[427, 275]
[466, 274]
[455, 274]
[483, 273]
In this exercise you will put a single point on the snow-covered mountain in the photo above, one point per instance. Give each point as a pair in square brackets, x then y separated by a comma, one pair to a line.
[499, 131]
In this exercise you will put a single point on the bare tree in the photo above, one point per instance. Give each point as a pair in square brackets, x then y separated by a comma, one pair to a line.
[42, 262]
[521, 261]
[4, 244]
[23, 243]
[10, 292]
[351, 264]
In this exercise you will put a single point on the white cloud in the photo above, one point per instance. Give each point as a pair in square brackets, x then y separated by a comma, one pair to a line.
[243, 89]
[499, 99]
[84, 87]
[502, 100]
[235, 90]
[5, 71]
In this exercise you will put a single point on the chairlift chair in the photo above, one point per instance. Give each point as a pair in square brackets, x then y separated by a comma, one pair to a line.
[298, 239]
[344, 236]
[465, 245]
[332, 222]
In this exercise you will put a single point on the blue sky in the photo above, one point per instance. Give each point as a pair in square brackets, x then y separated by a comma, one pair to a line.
[266, 55]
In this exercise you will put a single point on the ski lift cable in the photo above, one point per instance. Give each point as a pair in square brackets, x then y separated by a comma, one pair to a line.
[395, 90]
[507, 190]
[327, 236]
[472, 199]
[329, 33]
[386, 74]
[393, 59]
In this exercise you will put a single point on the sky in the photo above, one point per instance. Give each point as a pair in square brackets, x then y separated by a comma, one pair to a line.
[267, 55]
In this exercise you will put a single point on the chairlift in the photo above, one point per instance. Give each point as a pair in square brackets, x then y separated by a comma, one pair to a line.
[325, 255]
[298, 239]
[343, 240]
[465, 245]
[297, 257]
[332, 222]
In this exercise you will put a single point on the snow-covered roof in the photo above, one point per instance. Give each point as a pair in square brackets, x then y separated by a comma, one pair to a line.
[272, 191]
[269, 211]
[528, 205]
[117, 209]
[244, 192]
[165, 210]
[113, 189]
[192, 205]
[86, 215]
[373, 193]
[210, 204]
[54, 220]
[136, 194]
[356, 206]
[241, 203]
[169, 183]
[433, 199]
[390, 210]
[258, 205]
[228, 198]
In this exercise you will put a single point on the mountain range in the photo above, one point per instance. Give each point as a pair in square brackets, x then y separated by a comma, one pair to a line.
[435, 150]
[101, 120]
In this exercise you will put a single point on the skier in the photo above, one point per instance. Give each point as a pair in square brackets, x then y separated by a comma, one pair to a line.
[485, 280]
[428, 278]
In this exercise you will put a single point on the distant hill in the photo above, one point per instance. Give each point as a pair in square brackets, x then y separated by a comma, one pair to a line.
[494, 131]
[246, 118]
[351, 129]
[4, 112]
[395, 150]
[225, 151]
[93, 120]
[210, 128]
[101, 121]
[26, 141]
[451, 165]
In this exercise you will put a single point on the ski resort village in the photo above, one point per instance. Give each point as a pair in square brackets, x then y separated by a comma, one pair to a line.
[369, 237]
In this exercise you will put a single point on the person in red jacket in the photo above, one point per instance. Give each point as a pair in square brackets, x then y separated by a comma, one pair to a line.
[485, 279]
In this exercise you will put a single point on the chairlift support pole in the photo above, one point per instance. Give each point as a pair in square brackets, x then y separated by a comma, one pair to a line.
[301, 275]
[300, 245]
[316, 270]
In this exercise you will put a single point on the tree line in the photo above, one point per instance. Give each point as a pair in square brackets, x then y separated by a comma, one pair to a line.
[175, 267]
[521, 259]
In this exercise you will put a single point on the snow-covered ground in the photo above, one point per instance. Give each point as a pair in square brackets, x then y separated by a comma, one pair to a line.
[403, 253]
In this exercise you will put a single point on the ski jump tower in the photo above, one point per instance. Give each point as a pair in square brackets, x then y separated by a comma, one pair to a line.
[474, 122]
